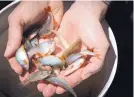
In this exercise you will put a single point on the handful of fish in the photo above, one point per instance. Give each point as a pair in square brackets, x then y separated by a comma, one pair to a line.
[38, 49]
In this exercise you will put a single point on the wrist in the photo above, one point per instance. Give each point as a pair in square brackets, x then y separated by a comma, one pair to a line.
[96, 9]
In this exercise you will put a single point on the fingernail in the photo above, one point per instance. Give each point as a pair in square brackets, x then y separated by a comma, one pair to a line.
[85, 76]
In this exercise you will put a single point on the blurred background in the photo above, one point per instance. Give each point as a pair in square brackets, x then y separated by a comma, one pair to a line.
[120, 19]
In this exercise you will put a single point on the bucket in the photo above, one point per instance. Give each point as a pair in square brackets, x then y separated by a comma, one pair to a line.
[95, 86]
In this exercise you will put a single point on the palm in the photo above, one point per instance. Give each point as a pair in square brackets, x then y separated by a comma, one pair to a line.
[72, 27]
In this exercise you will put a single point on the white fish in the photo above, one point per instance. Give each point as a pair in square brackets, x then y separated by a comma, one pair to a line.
[48, 25]
[74, 66]
[73, 57]
[22, 58]
[62, 83]
[46, 47]
[51, 61]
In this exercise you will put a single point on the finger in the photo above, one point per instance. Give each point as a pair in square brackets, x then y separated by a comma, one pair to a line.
[49, 90]
[14, 37]
[15, 66]
[41, 85]
[75, 80]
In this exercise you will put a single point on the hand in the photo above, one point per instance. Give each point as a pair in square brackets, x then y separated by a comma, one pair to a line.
[26, 14]
[82, 20]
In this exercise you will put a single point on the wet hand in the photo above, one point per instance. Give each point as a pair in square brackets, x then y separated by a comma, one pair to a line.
[26, 14]
[81, 20]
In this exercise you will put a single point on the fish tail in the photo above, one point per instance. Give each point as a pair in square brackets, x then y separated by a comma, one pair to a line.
[62, 83]
[96, 55]
[54, 21]
[48, 9]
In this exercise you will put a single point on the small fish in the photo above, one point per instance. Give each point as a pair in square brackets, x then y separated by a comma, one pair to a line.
[74, 66]
[22, 58]
[62, 83]
[75, 61]
[48, 25]
[87, 52]
[51, 61]
[36, 76]
[73, 57]
[41, 67]
[46, 47]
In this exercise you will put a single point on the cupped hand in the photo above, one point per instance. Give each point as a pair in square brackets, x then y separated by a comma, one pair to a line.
[26, 14]
[82, 20]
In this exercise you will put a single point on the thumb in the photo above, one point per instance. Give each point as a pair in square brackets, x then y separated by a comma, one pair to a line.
[15, 32]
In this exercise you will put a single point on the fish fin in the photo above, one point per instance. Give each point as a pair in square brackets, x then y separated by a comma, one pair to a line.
[96, 55]
[62, 83]
[49, 9]
[91, 49]
[56, 26]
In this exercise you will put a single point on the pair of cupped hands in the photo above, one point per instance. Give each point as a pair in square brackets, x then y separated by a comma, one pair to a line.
[81, 20]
